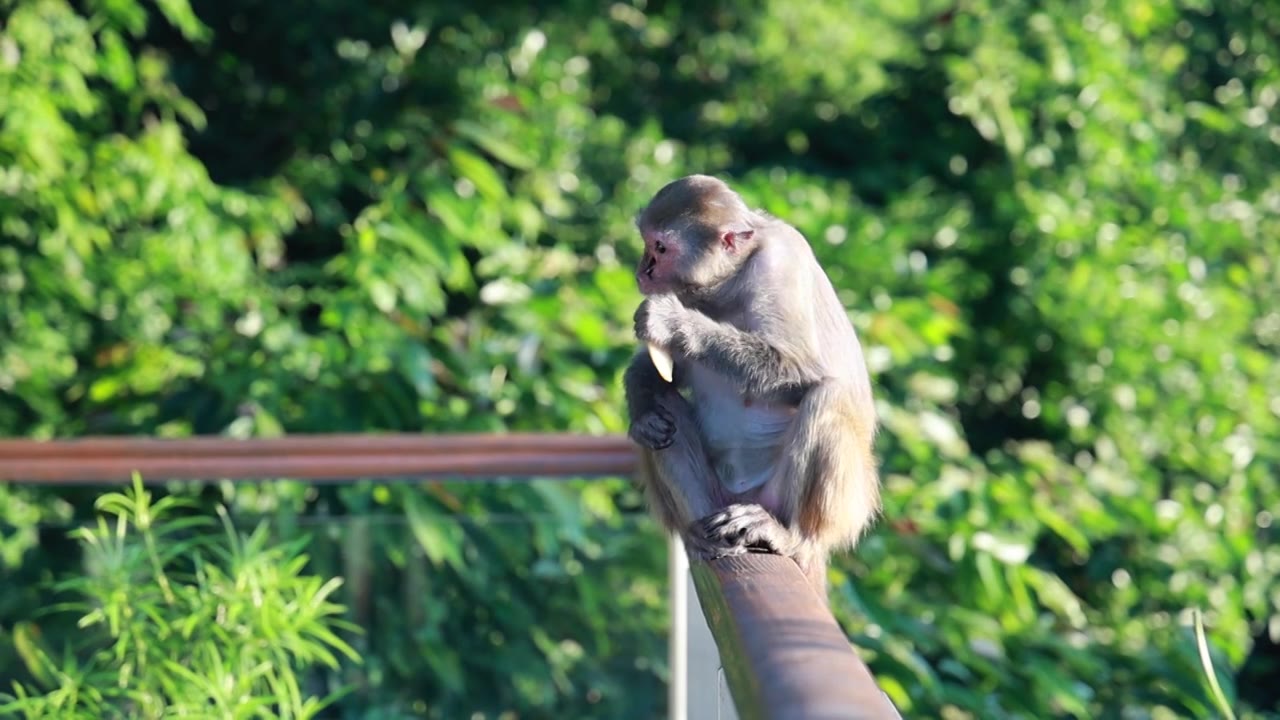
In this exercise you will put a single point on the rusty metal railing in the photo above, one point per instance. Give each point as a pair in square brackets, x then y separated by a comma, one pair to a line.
[779, 648]
[315, 457]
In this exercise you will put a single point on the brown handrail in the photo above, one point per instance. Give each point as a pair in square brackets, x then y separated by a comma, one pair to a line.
[316, 457]
[783, 654]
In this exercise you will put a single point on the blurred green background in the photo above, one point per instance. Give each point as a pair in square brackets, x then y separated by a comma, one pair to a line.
[1055, 224]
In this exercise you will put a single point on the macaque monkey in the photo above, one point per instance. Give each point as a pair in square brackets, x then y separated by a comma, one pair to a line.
[772, 450]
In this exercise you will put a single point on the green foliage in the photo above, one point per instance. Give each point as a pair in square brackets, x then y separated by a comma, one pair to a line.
[1211, 675]
[125, 259]
[536, 598]
[1055, 224]
[179, 621]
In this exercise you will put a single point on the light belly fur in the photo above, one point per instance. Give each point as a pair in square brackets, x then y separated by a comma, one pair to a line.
[744, 441]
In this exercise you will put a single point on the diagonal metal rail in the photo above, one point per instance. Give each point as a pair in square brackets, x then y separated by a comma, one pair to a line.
[784, 656]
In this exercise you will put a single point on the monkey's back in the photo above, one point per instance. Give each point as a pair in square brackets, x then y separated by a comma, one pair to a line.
[837, 349]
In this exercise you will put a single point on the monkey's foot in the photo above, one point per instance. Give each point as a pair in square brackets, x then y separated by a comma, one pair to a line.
[742, 528]
[655, 429]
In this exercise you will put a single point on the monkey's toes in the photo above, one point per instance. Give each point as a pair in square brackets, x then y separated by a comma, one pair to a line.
[700, 548]
[747, 526]
[656, 430]
[733, 519]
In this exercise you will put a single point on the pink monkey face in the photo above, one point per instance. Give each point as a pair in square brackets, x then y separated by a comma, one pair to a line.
[657, 271]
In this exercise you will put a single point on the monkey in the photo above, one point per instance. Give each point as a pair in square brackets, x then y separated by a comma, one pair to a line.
[749, 398]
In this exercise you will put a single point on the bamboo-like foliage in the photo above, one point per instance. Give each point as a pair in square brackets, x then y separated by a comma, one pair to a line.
[180, 618]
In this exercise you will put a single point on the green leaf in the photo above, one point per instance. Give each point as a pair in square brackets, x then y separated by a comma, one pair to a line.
[439, 537]
[479, 172]
[489, 141]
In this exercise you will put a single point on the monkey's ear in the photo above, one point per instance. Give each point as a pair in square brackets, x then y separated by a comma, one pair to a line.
[732, 238]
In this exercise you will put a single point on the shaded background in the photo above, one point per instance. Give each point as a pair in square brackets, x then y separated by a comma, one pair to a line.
[1055, 224]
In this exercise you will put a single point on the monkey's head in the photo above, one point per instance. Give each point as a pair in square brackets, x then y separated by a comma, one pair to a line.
[697, 232]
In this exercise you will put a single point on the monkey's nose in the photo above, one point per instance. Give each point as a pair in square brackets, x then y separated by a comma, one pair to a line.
[649, 263]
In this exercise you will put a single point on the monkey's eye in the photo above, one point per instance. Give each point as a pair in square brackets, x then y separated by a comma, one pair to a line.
[660, 247]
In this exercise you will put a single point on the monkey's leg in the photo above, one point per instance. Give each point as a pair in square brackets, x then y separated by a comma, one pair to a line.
[679, 481]
[824, 493]
[675, 470]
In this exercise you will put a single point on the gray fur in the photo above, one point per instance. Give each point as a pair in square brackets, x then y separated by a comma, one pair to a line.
[774, 369]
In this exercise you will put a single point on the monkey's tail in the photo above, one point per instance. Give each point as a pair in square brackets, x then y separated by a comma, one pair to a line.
[828, 468]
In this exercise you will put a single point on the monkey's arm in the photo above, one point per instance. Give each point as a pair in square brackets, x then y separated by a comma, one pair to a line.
[760, 367]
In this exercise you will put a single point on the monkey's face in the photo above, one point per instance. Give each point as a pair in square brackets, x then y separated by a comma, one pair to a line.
[658, 271]
[690, 257]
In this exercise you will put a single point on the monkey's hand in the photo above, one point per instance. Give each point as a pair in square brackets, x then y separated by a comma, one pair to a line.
[655, 429]
[659, 320]
[742, 528]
